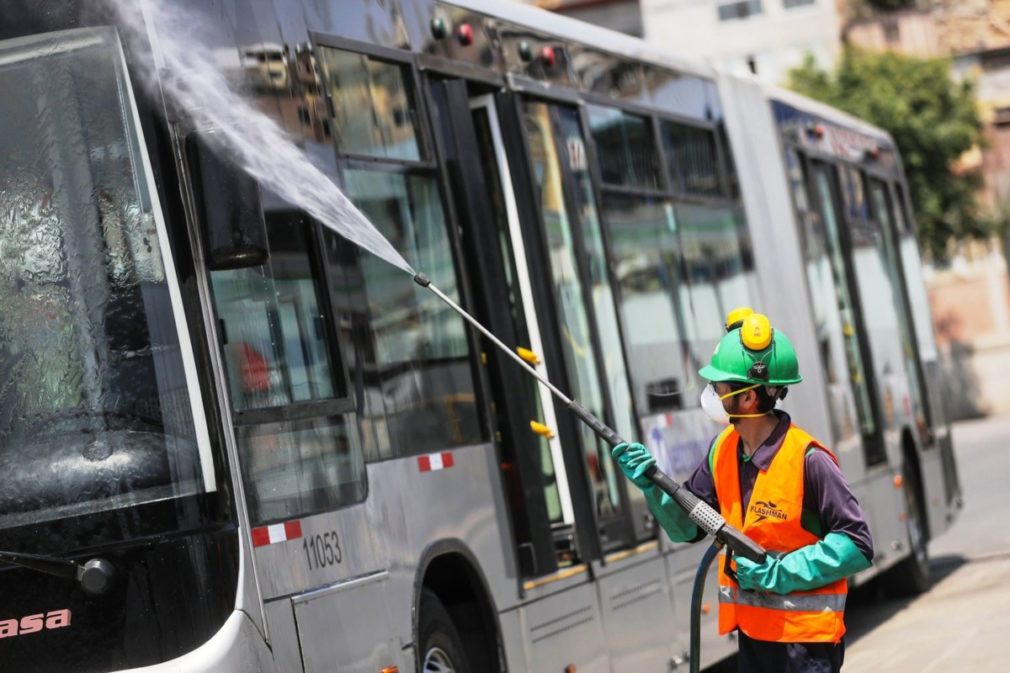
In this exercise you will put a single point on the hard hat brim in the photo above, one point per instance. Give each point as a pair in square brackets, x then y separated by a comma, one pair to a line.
[716, 375]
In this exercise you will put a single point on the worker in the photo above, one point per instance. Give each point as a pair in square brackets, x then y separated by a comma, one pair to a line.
[782, 488]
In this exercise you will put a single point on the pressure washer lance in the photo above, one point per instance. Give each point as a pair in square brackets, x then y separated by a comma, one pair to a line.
[704, 516]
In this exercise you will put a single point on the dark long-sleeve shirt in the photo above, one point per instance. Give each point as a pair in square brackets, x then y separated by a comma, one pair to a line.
[828, 503]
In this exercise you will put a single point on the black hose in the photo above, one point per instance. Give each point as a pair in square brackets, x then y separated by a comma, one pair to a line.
[697, 593]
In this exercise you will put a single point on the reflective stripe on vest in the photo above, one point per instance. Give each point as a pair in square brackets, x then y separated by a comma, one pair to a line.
[793, 602]
[773, 519]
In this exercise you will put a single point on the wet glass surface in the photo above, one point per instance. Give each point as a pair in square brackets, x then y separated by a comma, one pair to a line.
[357, 84]
[275, 345]
[296, 467]
[420, 347]
[95, 410]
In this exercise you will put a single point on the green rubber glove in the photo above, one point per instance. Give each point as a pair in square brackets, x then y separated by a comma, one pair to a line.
[634, 459]
[670, 516]
[829, 560]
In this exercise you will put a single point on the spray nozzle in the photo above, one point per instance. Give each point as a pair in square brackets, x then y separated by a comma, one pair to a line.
[421, 280]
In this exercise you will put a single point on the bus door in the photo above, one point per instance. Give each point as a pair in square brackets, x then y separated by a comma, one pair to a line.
[564, 236]
[883, 228]
[929, 357]
[825, 240]
[532, 465]
[545, 300]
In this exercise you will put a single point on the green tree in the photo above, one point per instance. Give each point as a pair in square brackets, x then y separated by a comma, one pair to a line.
[932, 118]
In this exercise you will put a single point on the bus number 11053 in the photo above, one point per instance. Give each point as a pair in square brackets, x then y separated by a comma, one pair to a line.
[322, 550]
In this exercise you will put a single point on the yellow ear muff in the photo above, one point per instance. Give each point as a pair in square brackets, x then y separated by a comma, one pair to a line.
[756, 332]
[735, 317]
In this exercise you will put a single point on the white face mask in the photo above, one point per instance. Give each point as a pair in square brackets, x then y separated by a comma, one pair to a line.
[712, 405]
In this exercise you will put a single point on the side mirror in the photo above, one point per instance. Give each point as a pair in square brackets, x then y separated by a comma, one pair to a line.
[229, 207]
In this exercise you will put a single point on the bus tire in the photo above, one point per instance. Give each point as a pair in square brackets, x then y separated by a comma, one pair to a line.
[911, 576]
[440, 648]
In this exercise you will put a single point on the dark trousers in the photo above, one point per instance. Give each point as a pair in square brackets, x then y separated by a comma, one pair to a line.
[758, 656]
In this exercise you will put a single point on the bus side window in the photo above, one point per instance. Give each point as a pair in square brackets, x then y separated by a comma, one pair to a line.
[418, 366]
[421, 350]
[299, 446]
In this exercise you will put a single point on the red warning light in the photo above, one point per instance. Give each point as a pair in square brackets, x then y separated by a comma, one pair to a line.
[464, 33]
[548, 56]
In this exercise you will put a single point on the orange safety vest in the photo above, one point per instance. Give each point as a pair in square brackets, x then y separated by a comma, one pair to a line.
[773, 521]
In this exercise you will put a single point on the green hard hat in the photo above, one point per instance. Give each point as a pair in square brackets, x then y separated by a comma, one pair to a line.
[737, 357]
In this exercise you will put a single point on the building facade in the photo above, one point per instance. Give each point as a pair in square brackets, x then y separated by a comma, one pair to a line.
[766, 37]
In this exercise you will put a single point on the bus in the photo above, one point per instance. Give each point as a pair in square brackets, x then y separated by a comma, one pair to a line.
[234, 441]
[830, 195]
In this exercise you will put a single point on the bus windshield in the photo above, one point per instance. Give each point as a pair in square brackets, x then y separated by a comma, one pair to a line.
[96, 410]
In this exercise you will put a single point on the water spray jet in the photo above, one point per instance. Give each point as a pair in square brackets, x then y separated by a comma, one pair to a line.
[261, 148]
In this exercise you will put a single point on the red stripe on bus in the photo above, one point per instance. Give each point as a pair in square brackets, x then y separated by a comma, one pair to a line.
[293, 529]
[424, 463]
[447, 460]
[260, 536]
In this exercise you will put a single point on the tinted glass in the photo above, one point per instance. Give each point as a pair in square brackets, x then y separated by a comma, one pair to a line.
[295, 467]
[693, 162]
[911, 259]
[830, 236]
[829, 325]
[720, 272]
[420, 345]
[531, 389]
[95, 411]
[372, 109]
[884, 240]
[647, 261]
[273, 330]
[599, 284]
[624, 146]
[854, 193]
[604, 309]
[570, 297]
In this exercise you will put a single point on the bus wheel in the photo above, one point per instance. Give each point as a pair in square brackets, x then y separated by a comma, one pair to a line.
[911, 576]
[440, 646]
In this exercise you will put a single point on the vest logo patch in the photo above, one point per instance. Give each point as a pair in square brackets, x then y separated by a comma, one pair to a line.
[766, 508]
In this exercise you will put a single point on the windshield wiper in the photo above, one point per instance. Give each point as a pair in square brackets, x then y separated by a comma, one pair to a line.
[95, 575]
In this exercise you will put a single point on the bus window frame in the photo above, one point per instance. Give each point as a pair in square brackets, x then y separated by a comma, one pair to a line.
[874, 444]
[623, 523]
[335, 348]
[892, 239]
[666, 191]
[432, 164]
[325, 408]
[405, 60]
[542, 557]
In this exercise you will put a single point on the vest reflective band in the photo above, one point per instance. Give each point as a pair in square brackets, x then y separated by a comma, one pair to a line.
[773, 520]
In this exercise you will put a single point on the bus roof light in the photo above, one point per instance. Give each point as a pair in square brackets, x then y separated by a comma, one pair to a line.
[525, 51]
[464, 33]
[548, 56]
[438, 28]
